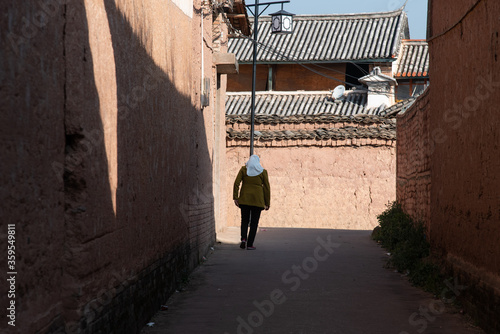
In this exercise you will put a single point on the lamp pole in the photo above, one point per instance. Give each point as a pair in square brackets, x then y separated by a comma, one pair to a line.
[254, 73]
[254, 62]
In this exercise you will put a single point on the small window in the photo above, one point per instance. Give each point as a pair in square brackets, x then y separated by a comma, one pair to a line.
[418, 86]
[403, 91]
[354, 72]
[410, 88]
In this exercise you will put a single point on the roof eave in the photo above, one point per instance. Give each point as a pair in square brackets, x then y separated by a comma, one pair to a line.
[340, 61]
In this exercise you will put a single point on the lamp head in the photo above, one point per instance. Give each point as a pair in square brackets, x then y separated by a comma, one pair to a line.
[282, 22]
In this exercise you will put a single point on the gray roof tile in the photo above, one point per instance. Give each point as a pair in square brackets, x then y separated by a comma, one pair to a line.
[321, 118]
[299, 103]
[328, 38]
[380, 131]
[399, 107]
[413, 60]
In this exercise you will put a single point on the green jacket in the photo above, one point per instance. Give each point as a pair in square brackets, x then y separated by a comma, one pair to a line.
[255, 190]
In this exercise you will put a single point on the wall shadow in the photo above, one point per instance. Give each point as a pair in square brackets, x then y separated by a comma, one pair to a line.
[90, 223]
[164, 173]
[91, 263]
[57, 190]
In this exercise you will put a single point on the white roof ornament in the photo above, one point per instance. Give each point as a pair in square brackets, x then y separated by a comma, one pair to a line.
[379, 88]
[377, 77]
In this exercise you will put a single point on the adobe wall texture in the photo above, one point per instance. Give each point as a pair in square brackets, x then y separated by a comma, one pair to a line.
[286, 77]
[111, 197]
[464, 139]
[293, 77]
[340, 187]
[218, 154]
[464, 192]
[242, 82]
[32, 197]
[219, 162]
[413, 178]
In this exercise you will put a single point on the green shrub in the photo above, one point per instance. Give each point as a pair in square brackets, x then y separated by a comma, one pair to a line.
[406, 240]
[395, 226]
[411, 248]
[428, 276]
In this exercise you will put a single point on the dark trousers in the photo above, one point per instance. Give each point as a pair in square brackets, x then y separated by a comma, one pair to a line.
[249, 214]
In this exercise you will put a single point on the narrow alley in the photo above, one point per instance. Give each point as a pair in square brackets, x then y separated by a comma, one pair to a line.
[307, 281]
[126, 127]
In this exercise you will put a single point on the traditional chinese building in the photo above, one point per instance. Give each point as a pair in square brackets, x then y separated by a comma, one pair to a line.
[331, 160]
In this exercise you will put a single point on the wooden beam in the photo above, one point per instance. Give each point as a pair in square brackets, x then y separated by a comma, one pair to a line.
[226, 63]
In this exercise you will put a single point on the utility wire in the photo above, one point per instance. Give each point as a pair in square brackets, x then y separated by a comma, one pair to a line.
[294, 61]
[334, 70]
[457, 23]
[273, 50]
[269, 48]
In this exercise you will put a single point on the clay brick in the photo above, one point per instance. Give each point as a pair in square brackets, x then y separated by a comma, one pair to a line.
[317, 172]
[127, 174]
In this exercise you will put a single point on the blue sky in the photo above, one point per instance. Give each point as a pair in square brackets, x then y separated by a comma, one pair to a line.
[416, 10]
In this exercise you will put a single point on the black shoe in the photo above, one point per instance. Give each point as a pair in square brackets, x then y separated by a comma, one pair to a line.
[242, 245]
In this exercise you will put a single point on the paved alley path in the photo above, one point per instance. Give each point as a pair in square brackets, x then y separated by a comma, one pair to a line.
[303, 281]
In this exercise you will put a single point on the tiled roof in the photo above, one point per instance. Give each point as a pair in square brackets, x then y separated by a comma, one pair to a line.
[413, 60]
[299, 103]
[381, 131]
[328, 38]
[399, 107]
[321, 118]
[237, 16]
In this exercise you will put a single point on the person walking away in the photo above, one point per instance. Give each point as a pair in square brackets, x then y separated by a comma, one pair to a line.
[255, 196]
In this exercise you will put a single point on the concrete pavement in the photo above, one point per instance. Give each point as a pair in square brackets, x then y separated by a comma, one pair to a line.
[304, 281]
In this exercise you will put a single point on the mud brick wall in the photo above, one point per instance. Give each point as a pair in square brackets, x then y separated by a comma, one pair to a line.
[106, 159]
[220, 41]
[201, 229]
[31, 194]
[326, 184]
[286, 77]
[413, 179]
[465, 179]
[464, 44]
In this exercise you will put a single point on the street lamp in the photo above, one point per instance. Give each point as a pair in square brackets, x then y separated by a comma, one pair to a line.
[281, 23]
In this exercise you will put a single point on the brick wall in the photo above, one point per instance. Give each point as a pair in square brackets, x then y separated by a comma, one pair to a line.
[201, 229]
[220, 164]
[465, 209]
[318, 183]
[413, 179]
[112, 198]
[465, 179]
[293, 77]
[461, 125]
[32, 194]
[286, 77]
[242, 82]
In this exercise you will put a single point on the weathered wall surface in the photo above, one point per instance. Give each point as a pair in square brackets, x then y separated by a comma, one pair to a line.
[242, 82]
[413, 178]
[330, 186]
[32, 74]
[220, 42]
[286, 77]
[112, 197]
[292, 77]
[463, 129]
[465, 179]
[219, 157]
